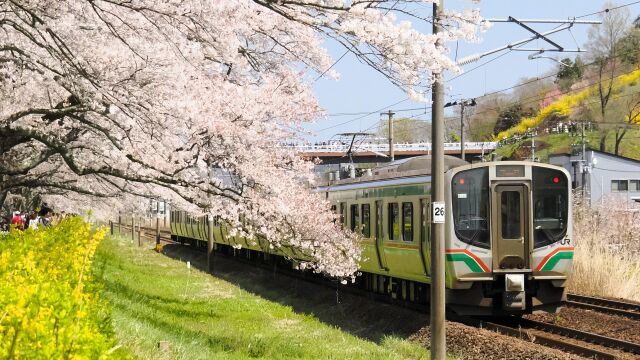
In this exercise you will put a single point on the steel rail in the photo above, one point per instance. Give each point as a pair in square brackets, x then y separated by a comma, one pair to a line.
[604, 309]
[606, 341]
[608, 303]
[540, 339]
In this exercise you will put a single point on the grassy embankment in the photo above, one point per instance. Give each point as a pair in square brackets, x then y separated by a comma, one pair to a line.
[156, 298]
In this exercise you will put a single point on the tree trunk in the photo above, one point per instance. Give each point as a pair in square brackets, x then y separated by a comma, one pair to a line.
[619, 141]
[603, 142]
[3, 197]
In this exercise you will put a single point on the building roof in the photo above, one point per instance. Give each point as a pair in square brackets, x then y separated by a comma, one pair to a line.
[602, 153]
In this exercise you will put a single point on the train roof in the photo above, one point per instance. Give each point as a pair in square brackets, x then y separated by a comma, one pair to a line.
[419, 164]
[414, 166]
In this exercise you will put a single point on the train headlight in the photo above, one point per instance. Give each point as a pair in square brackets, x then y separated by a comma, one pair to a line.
[514, 282]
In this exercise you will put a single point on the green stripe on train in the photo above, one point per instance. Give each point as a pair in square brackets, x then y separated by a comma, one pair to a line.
[551, 263]
[472, 264]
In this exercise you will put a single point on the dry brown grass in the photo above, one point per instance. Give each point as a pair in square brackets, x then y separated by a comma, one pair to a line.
[607, 255]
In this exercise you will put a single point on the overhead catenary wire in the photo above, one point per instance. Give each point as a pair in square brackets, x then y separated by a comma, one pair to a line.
[608, 9]
[365, 114]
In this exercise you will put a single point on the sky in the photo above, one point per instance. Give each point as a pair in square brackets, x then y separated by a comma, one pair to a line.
[354, 102]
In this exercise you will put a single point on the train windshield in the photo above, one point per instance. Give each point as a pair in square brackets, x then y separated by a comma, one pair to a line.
[470, 191]
[550, 205]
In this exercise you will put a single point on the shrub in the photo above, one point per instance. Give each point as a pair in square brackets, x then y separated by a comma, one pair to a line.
[49, 303]
[607, 251]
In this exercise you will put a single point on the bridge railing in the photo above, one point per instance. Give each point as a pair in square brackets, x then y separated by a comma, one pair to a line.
[342, 148]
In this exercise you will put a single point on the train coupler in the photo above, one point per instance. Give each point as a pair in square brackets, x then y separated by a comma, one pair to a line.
[514, 297]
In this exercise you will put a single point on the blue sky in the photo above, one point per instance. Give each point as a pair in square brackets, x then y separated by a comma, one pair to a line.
[361, 90]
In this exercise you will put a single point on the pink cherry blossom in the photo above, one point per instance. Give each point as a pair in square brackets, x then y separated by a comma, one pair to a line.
[104, 103]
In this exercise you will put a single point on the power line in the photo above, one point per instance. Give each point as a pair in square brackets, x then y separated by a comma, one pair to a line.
[608, 9]
[363, 116]
[347, 51]
[481, 65]
[537, 98]
[509, 50]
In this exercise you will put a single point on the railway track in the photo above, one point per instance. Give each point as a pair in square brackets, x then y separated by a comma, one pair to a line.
[590, 337]
[613, 307]
[542, 337]
[545, 334]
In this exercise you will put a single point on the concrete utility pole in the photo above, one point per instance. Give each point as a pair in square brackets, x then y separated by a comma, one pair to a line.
[583, 164]
[462, 103]
[437, 301]
[462, 131]
[533, 146]
[390, 114]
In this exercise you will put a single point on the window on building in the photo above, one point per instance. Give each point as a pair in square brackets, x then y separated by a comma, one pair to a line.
[355, 218]
[343, 213]
[634, 185]
[407, 221]
[619, 185]
[394, 221]
[366, 220]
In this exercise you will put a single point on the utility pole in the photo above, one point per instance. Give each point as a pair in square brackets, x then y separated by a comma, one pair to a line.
[583, 163]
[462, 103]
[533, 146]
[390, 114]
[437, 300]
[462, 131]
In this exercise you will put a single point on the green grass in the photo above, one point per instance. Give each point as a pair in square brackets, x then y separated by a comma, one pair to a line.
[156, 298]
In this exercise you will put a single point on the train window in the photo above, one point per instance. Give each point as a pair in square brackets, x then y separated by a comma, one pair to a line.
[366, 220]
[510, 215]
[355, 218]
[407, 221]
[470, 202]
[550, 205]
[634, 185]
[394, 221]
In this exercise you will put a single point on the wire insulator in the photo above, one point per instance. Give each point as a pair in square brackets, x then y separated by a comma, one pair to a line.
[468, 59]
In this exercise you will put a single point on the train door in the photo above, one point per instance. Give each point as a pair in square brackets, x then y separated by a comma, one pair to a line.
[380, 236]
[511, 233]
[425, 235]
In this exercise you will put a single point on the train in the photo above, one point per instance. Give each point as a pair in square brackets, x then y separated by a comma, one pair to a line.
[508, 233]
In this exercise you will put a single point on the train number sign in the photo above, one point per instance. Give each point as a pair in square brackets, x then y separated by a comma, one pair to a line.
[438, 212]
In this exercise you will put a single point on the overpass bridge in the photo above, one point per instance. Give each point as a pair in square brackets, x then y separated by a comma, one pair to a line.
[337, 152]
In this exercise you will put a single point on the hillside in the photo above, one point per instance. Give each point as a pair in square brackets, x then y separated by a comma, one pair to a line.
[562, 143]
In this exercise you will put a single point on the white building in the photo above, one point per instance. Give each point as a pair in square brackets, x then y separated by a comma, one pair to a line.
[603, 176]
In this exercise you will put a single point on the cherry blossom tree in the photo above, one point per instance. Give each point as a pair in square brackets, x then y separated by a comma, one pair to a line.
[190, 100]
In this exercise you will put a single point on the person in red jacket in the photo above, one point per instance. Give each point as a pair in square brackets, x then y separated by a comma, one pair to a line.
[17, 220]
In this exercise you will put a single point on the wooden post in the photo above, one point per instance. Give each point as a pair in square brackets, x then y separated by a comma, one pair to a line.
[119, 224]
[111, 227]
[140, 232]
[133, 227]
[210, 243]
[157, 230]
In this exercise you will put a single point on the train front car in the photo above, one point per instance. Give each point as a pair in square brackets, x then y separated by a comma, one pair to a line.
[509, 245]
